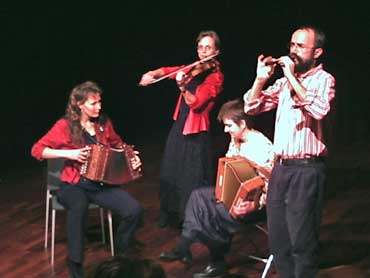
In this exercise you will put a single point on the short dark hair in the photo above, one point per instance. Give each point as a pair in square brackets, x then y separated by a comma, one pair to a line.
[234, 110]
[320, 37]
[212, 34]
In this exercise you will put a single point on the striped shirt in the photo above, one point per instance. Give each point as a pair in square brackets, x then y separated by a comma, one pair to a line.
[298, 125]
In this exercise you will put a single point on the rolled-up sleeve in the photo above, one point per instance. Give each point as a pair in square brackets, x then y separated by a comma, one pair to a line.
[267, 101]
[54, 139]
[319, 93]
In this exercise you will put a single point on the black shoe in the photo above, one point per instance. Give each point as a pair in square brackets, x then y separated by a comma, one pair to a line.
[175, 255]
[212, 270]
[75, 269]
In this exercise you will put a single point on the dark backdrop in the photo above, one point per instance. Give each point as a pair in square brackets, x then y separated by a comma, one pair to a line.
[47, 51]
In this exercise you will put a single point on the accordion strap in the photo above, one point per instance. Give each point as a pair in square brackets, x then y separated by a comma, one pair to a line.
[235, 173]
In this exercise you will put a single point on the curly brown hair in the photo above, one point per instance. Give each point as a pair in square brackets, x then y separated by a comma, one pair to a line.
[78, 96]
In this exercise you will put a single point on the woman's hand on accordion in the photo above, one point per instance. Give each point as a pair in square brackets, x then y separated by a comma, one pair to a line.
[136, 162]
[79, 154]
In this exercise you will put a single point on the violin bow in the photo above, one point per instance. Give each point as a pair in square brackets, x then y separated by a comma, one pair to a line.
[185, 67]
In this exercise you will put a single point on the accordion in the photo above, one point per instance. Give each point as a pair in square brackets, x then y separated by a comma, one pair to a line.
[110, 166]
[237, 181]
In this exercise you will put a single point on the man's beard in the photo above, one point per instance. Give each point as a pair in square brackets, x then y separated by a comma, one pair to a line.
[300, 65]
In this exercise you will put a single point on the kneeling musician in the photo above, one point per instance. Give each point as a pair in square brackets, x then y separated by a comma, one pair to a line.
[206, 219]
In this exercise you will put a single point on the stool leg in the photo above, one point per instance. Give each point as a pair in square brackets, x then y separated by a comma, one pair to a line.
[111, 232]
[267, 266]
[47, 219]
[259, 227]
[258, 259]
[52, 236]
[101, 210]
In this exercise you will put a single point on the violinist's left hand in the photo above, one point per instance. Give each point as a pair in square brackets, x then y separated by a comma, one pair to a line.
[180, 80]
[136, 162]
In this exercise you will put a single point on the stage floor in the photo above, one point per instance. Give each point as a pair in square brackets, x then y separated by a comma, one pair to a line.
[345, 228]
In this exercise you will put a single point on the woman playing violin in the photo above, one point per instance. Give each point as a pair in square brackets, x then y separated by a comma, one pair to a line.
[186, 160]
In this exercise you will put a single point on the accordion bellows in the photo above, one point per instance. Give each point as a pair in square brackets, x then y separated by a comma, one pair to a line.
[237, 181]
[110, 166]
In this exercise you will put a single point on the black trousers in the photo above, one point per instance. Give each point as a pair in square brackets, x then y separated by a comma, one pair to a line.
[209, 222]
[76, 198]
[294, 205]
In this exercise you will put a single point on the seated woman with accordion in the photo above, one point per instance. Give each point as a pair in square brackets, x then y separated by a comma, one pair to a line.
[207, 219]
[73, 138]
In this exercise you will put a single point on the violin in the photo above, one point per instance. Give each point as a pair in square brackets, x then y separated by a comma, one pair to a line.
[200, 68]
[197, 68]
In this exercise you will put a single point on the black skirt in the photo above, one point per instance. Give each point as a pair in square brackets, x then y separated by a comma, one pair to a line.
[186, 165]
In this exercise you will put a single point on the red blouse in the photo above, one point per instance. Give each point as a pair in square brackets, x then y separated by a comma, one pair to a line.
[58, 138]
[205, 93]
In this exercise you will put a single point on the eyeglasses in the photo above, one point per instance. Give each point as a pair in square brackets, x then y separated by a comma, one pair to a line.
[204, 47]
[299, 45]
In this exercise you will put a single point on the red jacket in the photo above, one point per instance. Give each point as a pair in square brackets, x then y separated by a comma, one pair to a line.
[205, 93]
[58, 138]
